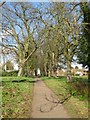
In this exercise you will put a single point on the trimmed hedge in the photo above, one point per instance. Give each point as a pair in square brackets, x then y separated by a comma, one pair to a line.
[11, 73]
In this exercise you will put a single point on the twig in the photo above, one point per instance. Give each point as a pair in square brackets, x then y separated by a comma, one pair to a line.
[2, 3]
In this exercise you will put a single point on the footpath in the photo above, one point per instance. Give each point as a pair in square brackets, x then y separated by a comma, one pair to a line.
[45, 104]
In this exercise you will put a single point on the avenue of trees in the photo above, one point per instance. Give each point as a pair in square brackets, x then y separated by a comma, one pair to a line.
[46, 35]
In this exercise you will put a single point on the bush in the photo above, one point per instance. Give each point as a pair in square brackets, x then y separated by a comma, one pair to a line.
[77, 74]
[11, 73]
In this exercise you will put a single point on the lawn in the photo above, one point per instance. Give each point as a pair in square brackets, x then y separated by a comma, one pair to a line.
[77, 103]
[16, 97]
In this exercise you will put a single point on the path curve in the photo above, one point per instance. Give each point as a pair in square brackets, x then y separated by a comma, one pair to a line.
[43, 105]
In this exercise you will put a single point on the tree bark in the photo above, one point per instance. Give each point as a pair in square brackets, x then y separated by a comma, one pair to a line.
[89, 74]
[43, 73]
[69, 76]
[35, 72]
[45, 69]
[49, 73]
[20, 71]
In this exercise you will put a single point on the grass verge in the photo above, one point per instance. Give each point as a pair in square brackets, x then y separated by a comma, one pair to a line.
[16, 97]
[77, 104]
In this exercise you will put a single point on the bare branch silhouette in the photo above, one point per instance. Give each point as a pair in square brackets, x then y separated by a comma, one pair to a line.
[1, 4]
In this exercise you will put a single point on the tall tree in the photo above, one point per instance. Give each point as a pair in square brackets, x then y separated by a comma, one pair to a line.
[28, 26]
[61, 36]
[84, 44]
[19, 23]
[67, 31]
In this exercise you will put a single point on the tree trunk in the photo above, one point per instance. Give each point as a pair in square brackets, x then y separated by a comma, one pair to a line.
[44, 70]
[35, 72]
[20, 71]
[49, 73]
[69, 76]
[43, 73]
[89, 74]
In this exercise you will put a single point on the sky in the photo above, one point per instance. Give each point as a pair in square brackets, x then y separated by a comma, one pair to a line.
[46, 0]
[76, 64]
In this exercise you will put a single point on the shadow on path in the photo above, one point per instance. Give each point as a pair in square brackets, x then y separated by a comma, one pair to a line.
[45, 102]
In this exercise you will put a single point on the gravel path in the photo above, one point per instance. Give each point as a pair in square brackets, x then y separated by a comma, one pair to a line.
[43, 105]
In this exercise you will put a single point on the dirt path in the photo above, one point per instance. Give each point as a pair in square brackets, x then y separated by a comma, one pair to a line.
[42, 107]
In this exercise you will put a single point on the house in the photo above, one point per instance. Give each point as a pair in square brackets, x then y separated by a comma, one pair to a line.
[80, 72]
[59, 72]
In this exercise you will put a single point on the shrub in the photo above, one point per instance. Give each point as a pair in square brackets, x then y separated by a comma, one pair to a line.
[77, 74]
[11, 73]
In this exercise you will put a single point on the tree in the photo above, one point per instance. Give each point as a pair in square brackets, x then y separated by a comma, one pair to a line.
[9, 65]
[84, 44]
[51, 29]
[61, 34]
[19, 25]
[61, 37]
[67, 30]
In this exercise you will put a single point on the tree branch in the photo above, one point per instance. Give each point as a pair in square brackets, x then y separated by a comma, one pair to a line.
[2, 3]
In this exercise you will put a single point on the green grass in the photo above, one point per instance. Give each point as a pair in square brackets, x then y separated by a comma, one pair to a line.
[16, 97]
[18, 79]
[77, 104]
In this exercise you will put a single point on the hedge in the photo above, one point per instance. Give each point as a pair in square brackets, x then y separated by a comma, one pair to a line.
[11, 73]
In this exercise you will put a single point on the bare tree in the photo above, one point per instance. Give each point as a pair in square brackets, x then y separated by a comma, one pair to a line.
[67, 31]
[27, 27]
[62, 35]
[19, 25]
